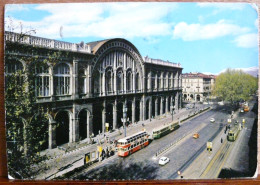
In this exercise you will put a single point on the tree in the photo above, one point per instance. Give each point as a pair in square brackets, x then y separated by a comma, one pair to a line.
[26, 121]
[234, 85]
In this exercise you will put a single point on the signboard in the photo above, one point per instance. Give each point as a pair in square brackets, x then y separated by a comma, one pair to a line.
[90, 156]
[243, 120]
[229, 121]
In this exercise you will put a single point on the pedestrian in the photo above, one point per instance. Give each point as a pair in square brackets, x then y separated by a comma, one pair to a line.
[221, 140]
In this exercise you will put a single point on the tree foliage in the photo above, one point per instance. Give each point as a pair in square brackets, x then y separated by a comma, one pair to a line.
[26, 120]
[234, 85]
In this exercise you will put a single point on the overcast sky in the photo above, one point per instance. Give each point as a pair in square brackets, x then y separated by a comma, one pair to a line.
[203, 37]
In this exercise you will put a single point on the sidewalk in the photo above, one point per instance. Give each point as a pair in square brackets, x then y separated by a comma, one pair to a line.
[61, 162]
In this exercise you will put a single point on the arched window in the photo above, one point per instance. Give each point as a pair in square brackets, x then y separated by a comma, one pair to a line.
[14, 78]
[129, 81]
[137, 82]
[159, 80]
[42, 79]
[62, 79]
[13, 67]
[169, 80]
[164, 80]
[82, 81]
[109, 80]
[153, 80]
[119, 81]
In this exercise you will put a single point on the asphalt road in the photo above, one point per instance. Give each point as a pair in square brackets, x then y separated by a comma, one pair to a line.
[143, 164]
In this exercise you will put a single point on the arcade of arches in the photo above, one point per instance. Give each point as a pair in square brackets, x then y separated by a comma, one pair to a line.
[91, 89]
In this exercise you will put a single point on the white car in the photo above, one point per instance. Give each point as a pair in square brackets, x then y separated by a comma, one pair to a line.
[164, 160]
[212, 120]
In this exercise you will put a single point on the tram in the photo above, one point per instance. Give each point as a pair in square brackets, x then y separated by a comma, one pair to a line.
[164, 129]
[133, 143]
[233, 133]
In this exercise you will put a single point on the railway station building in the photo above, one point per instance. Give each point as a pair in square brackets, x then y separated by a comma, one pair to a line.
[88, 85]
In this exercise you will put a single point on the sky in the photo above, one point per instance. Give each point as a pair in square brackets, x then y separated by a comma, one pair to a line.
[202, 37]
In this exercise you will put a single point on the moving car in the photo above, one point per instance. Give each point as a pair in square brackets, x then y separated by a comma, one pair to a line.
[196, 136]
[163, 160]
[212, 120]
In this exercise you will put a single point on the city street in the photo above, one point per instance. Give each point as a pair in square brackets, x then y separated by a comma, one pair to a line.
[187, 155]
[181, 154]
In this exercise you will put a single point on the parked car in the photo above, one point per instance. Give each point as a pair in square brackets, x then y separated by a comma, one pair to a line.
[163, 161]
[196, 136]
[212, 120]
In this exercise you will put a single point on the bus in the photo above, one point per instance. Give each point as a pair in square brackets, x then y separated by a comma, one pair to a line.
[164, 129]
[133, 143]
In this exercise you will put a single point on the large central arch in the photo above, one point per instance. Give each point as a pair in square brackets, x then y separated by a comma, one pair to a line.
[125, 63]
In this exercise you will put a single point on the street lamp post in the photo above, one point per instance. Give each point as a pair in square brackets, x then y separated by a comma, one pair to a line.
[172, 108]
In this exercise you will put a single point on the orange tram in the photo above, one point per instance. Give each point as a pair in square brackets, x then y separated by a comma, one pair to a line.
[133, 143]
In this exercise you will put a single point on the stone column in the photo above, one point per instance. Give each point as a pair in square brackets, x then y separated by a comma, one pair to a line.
[76, 129]
[74, 83]
[149, 85]
[133, 110]
[156, 84]
[177, 101]
[115, 80]
[71, 129]
[104, 83]
[167, 81]
[141, 110]
[150, 108]
[180, 100]
[161, 80]
[161, 108]
[167, 105]
[180, 81]
[104, 116]
[124, 81]
[52, 134]
[156, 106]
[172, 80]
[100, 83]
[74, 124]
[134, 82]
[88, 84]
[115, 115]
[89, 124]
[51, 84]
[176, 79]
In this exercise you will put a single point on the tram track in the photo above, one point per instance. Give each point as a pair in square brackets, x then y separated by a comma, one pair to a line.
[187, 163]
[214, 167]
